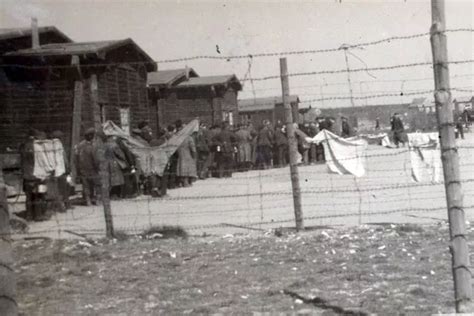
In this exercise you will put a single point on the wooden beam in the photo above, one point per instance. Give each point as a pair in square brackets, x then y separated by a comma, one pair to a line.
[8, 305]
[76, 118]
[94, 90]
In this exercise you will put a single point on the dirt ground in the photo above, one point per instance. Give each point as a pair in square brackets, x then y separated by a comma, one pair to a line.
[383, 269]
[263, 200]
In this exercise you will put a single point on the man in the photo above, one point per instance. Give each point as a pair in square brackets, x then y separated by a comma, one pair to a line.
[244, 149]
[459, 130]
[377, 123]
[36, 205]
[88, 167]
[202, 148]
[145, 131]
[264, 145]
[281, 145]
[63, 187]
[346, 128]
[397, 129]
[116, 162]
[313, 131]
[186, 168]
[224, 142]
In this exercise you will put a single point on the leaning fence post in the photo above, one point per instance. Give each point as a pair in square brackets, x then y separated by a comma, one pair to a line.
[105, 185]
[295, 182]
[8, 305]
[449, 154]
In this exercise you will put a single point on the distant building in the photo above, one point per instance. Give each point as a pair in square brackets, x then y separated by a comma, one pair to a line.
[362, 118]
[39, 89]
[183, 94]
[463, 103]
[269, 108]
[13, 39]
[422, 105]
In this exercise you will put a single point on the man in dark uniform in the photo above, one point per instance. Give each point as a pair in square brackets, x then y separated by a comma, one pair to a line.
[346, 129]
[88, 168]
[224, 142]
[398, 130]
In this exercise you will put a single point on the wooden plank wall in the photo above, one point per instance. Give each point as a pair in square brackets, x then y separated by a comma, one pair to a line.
[46, 106]
[208, 109]
[125, 87]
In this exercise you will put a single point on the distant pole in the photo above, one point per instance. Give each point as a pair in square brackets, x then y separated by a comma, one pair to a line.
[345, 48]
[295, 182]
[8, 305]
[35, 41]
[449, 154]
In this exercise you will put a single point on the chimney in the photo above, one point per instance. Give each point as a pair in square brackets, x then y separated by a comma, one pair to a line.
[34, 33]
[187, 72]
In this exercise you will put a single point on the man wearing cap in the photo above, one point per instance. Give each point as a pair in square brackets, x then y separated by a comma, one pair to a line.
[88, 167]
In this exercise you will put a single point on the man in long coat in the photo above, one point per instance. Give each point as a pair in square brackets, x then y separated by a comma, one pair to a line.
[264, 145]
[186, 169]
[88, 167]
[116, 162]
[244, 147]
[224, 142]
[281, 145]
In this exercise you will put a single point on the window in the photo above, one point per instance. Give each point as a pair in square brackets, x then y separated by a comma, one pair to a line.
[125, 119]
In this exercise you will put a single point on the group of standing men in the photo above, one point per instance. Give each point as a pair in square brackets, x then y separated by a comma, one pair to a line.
[106, 162]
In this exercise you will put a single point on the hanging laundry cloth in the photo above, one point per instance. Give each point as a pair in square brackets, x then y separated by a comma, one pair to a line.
[343, 156]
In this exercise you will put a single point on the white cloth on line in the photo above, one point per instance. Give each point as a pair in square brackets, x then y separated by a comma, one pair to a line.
[49, 158]
[343, 156]
[425, 157]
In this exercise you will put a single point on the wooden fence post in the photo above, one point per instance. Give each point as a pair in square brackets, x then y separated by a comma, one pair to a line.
[8, 305]
[295, 182]
[76, 116]
[449, 154]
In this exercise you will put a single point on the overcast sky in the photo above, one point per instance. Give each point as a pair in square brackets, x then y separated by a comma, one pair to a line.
[175, 29]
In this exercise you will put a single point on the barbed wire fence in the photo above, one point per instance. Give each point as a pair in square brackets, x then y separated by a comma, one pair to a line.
[262, 200]
[252, 200]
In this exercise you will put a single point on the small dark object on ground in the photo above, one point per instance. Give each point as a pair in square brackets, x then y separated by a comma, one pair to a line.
[166, 232]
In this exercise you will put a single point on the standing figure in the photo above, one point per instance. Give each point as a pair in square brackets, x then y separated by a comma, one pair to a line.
[130, 172]
[186, 167]
[264, 146]
[36, 205]
[313, 130]
[281, 145]
[398, 130]
[377, 123]
[224, 142]
[61, 199]
[303, 145]
[244, 147]
[203, 151]
[346, 128]
[459, 129]
[88, 167]
[116, 162]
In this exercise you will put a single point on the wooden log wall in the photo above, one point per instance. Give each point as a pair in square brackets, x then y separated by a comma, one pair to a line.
[45, 106]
